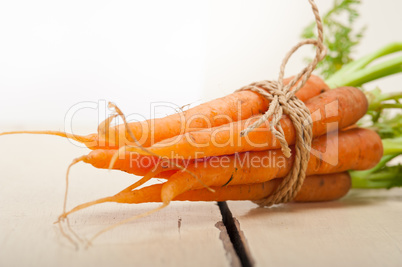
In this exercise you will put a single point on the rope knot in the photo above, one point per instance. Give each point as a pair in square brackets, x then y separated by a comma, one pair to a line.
[283, 98]
[284, 101]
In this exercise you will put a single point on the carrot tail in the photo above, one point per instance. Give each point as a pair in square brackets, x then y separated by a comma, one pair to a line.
[83, 206]
[143, 180]
[120, 198]
[315, 188]
[114, 198]
[75, 161]
[104, 126]
[116, 155]
[79, 138]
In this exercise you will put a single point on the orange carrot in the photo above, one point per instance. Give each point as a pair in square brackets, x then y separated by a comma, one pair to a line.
[236, 106]
[335, 109]
[132, 162]
[337, 101]
[356, 149]
[315, 188]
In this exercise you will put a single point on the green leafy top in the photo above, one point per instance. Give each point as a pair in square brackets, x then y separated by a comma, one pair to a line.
[339, 69]
[339, 37]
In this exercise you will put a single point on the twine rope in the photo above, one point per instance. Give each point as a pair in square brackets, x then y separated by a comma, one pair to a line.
[283, 101]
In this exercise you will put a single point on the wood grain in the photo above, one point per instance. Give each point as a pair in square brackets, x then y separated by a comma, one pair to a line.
[31, 197]
[363, 229]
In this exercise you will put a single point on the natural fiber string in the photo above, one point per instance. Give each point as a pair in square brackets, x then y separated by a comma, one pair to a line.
[284, 101]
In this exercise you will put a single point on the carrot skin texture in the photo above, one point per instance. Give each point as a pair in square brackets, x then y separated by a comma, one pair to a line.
[332, 110]
[356, 149]
[233, 107]
[131, 162]
[325, 187]
[315, 188]
[203, 116]
[135, 164]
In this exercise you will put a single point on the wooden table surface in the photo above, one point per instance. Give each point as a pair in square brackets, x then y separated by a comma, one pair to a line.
[362, 229]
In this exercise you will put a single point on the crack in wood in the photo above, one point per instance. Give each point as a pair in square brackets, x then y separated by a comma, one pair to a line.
[236, 237]
[227, 245]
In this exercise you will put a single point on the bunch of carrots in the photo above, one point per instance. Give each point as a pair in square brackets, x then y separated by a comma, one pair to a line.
[201, 155]
[203, 158]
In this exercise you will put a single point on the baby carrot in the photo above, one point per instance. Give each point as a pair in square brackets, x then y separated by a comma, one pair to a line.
[356, 149]
[233, 107]
[332, 110]
[315, 188]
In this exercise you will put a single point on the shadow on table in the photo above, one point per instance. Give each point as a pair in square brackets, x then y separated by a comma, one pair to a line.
[355, 198]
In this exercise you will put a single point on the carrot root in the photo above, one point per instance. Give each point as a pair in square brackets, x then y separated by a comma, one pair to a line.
[75, 161]
[64, 215]
[79, 138]
[140, 182]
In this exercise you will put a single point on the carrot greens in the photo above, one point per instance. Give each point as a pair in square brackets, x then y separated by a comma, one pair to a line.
[384, 112]
[339, 37]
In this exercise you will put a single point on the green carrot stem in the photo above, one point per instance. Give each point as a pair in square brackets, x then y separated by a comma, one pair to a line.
[350, 68]
[381, 176]
[375, 184]
[364, 61]
[376, 104]
[392, 146]
[385, 178]
[391, 96]
[389, 105]
[365, 75]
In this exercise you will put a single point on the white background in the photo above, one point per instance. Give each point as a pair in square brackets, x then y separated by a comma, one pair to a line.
[55, 54]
